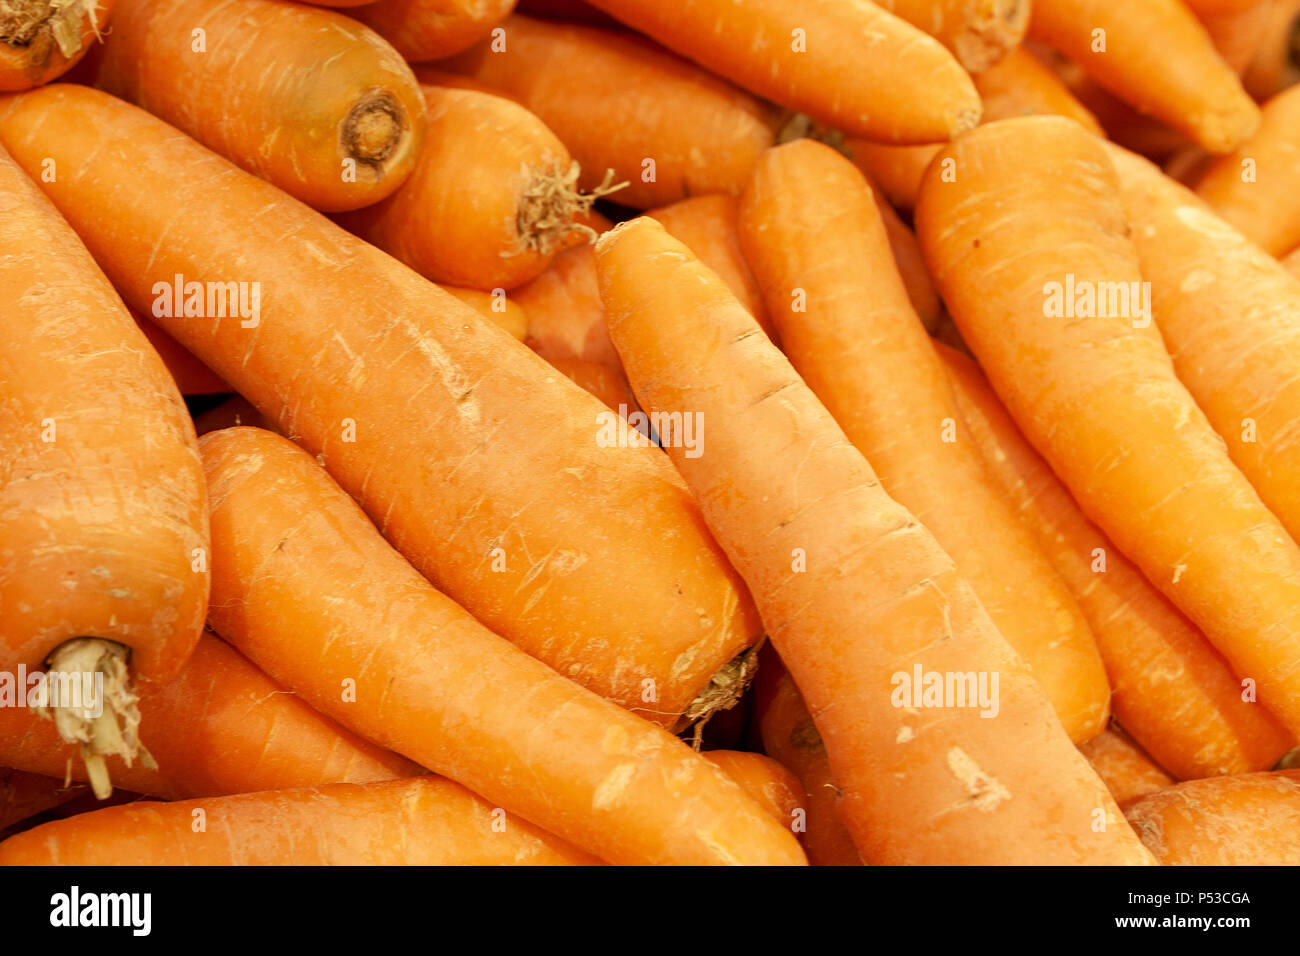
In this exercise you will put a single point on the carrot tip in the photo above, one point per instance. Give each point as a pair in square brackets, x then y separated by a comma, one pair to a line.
[374, 130]
[965, 120]
[34, 23]
[101, 713]
[548, 205]
[995, 29]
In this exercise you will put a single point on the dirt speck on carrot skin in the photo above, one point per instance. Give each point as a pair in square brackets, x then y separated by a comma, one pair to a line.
[984, 791]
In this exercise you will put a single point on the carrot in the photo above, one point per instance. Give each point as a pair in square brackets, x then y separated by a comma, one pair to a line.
[1123, 123]
[235, 410]
[811, 231]
[1255, 188]
[1230, 316]
[607, 383]
[565, 316]
[1251, 820]
[1127, 770]
[306, 587]
[1237, 34]
[1181, 80]
[1097, 395]
[1291, 262]
[303, 97]
[420, 822]
[667, 128]
[432, 29]
[707, 225]
[23, 795]
[591, 557]
[980, 33]
[495, 307]
[790, 736]
[192, 377]
[1188, 164]
[1276, 64]
[220, 726]
[42, 39]
[855, 594]
[490, 201]
[846, 63]
[1171, 688]
[1018, 85]
[768, 783]
[909, 262]
[102, 508]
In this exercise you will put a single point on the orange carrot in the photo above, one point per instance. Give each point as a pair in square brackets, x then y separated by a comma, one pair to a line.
[490, 201]
[1237, 34]
[667, 128]
[1276, 64]
[23, 795]
[420, 822]
[1181, 79]
[235, 410]
[495, 307]
[304, 97]
[855, 594]
[400, 389]
[304, 585]
[1129, 773]
[1229, 314]
[432, 29]
[1019, 85]
[813, 236]
[768, 783]
[192, 377]
[607, 383]
[707, 225]
[1255, 188]
[220, 726]
[1251, 820]
[1291, 262]
[790, 736]
[103, 520]
[1094, 390]
[1171, 689]
[909, 262]
[980, 33]
[42, 39]
[848, 64]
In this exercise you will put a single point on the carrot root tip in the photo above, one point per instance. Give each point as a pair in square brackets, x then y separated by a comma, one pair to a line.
[993, 29]
[724, 692]
[547, 205]
[104, 718]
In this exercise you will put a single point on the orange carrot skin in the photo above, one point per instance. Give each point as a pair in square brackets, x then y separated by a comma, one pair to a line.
[566, 318]
[421, 822]
[1099, 399]
[1250, 820]
[980, 34]
[496, 308]
[1238, 34]
[1253, 189]
[707, 225]
[40, 59]
[220, 726]
[235, 410]
[910, 262]
[455, 219]
[1230, 316]
[192, 377]
[808, 223]
[790, 736]
[100, 488]
[287, 121]
[311, 592]
[811, 57]
[605, 382]
[1276, 64]
[23, 795]
[432, 29]
[771, 785]
[1292, 263]
[1127, 770]
[1171, 688]
[918, 787]
[1182, 81]
[571, 584]
[618, 102]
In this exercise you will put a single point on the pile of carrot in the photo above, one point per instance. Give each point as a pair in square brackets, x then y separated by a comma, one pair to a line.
[827, 433]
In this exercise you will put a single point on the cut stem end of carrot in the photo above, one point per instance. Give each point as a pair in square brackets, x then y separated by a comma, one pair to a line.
[35, 24]
[374, 128]
[102, 721]
[724, 692]
[548, 205]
